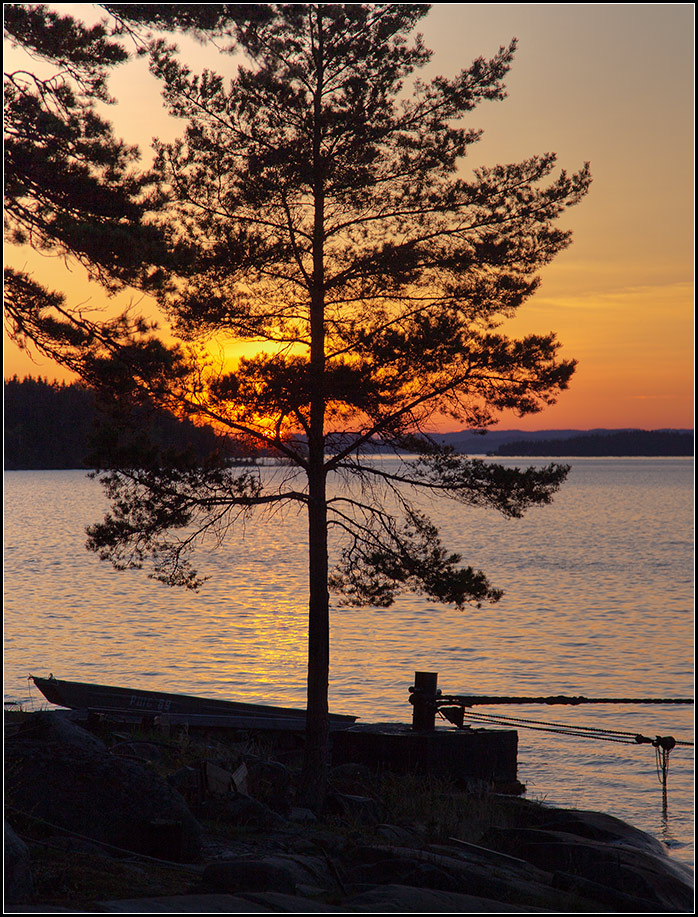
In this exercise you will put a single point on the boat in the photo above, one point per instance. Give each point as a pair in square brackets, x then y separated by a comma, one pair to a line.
[176, 709]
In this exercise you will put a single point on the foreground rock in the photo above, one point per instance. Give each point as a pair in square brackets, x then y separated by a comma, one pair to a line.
[616, 873]
[17, 872]
[255, 853]
[62, 779]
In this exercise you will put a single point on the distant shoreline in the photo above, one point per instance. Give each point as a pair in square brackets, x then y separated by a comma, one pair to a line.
[640, 443]
[51, 427]
[575, 443]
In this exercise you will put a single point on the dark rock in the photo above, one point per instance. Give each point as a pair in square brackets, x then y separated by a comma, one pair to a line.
[183, 904]
[301, 815]
[609, 897]
[270, 783]
[247, 875]
[56, 726]
[186, 781]
[287, 873]
[141, 751]
[402, 871]
[80, 845]
[541, 858]
[43, 909]
[352, 778]
[361, 809]
[396, 834]
[75, 785]
[237, 809]
[278, 903]
[452, 870]
[403, 899]
[18, 883]
[307, 870]
[308, 840]
[624, 868]
[597, 826]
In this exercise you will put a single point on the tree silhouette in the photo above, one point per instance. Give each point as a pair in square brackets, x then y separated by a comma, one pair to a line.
[70, 185]
[319, 199]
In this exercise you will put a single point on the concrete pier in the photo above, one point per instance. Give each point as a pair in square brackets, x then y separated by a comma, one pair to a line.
[467, 756]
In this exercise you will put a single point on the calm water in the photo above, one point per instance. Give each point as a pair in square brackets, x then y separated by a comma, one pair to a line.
[599, 599]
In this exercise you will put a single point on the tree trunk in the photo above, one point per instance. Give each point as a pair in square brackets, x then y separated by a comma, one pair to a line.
[317, 739]
[317, 721]
[317, 749]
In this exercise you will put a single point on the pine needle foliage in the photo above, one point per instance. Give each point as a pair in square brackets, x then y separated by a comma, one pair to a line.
[317, 204]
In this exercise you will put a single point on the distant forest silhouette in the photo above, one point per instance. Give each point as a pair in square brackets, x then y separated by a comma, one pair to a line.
[55, 425]
[610, 443]
[52, 425]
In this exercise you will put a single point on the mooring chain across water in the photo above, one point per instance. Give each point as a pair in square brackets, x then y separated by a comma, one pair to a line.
[429, 700]
[471, 700]
[590, 732]
[662, 744]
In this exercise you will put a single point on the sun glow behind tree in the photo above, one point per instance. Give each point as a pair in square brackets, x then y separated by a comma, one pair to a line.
[621, 298]
[314, 203]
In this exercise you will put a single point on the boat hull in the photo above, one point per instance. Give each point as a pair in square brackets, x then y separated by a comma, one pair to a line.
[177, 707]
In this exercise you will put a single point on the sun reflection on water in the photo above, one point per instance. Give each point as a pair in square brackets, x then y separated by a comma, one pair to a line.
[598, 601]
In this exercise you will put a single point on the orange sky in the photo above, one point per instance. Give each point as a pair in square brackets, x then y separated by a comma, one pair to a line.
[608, 83]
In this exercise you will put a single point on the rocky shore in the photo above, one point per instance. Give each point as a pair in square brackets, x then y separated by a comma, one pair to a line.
[110, 821]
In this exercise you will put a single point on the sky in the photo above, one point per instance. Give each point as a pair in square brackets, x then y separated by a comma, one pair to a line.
[611, 84]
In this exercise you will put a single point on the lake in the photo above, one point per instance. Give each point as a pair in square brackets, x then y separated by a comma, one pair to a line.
[598, 602]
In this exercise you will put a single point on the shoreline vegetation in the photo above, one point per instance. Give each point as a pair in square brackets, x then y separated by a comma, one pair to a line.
[52, 426]
[141, 821]
[647, 443]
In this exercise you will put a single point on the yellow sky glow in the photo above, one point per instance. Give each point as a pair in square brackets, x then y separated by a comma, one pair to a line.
[608, 83]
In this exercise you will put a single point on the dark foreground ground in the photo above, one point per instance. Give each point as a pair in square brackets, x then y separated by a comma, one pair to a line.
[117, 822]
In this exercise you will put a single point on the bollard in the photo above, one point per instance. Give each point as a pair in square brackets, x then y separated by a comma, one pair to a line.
[423, 697]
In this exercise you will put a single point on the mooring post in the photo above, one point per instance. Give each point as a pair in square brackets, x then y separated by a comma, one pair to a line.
[423, 698]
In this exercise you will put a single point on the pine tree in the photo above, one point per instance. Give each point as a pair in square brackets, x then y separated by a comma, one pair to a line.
[320, 198]
[70, 185]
